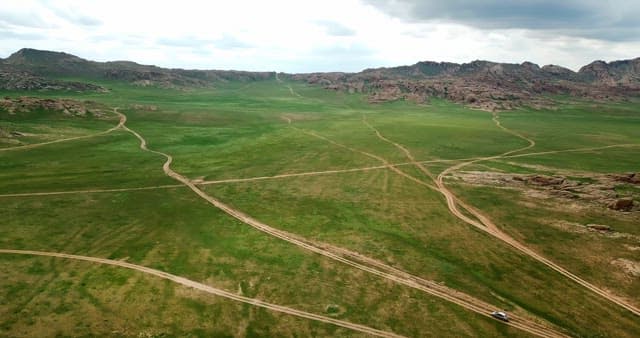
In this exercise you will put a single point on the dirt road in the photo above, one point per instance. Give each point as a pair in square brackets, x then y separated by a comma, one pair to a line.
[484, 223]
[491, 228]
[624, 145]
[394, 274]
[90, 191]
[209, 289]
[123, 120]
[325, 250]
[385, 163]
[312, 173]
[350, 258]
[402, 148]
[309, 173]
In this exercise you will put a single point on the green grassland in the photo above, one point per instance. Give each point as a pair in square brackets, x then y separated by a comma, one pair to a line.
[42, 126]
[241, 130]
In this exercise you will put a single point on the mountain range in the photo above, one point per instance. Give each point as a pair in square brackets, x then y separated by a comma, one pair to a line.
[482, 84]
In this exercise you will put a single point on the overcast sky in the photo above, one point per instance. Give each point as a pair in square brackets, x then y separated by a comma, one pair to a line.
[306, 36]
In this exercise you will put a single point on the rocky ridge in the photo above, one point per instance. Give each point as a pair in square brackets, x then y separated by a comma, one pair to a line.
[487, 85]
[22, 80]
[600, 190]
[67, 107]
[30, 69]
[479, 84]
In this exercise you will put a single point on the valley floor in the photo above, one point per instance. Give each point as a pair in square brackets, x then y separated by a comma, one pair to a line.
[279, 209]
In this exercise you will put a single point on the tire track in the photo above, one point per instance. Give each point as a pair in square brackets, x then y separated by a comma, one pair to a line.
[209, 289]
[310, 173]
[488, 226]
[91, 191]
[120, 124]
[623, 145]
[402, 148]
[324, 250]
[386, 164]
[409, 279]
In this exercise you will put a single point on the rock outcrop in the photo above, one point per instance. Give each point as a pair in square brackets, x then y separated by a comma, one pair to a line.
[596, 190]
[20, 80]
[622, 204]
[487, 85]
[480, 84]
[33, 66]
[633, 178]
[66, 107]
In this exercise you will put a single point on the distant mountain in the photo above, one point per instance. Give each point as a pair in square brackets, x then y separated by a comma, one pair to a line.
[487, 85]
[46, 64]
[617, 72]
[482, 84]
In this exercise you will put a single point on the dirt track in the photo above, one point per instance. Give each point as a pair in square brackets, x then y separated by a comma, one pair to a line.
[487, 225]
[312, 173]
[309, 173]
[347, 257]
[342, 255]
[90, 191]
[385, 163]
[209, 289]
[121, 123]
[392, 274]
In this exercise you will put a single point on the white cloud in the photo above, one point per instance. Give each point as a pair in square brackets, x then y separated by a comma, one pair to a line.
[283, 35]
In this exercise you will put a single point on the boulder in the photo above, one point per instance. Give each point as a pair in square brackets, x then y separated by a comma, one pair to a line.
[633, 178]
[599, 227]
[622, 204]
[545, 180]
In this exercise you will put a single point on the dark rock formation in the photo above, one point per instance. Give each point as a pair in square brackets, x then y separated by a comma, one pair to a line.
[622, 204]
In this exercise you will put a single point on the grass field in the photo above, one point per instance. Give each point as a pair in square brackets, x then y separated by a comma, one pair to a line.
[102, 196]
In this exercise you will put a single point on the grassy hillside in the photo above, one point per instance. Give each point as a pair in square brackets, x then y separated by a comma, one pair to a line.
[112, 200]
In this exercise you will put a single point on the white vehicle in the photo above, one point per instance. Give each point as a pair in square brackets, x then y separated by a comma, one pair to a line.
[500, 315]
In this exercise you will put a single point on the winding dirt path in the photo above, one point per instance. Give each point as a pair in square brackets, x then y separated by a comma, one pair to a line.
[123, 120]
[491, 228]
[90, 191]
[453, 201]
[353, 259]
[310, 173]
[209, 289]
[402, 148]
[487, 225]
[338, 254]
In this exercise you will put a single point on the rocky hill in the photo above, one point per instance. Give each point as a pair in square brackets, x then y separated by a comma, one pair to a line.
[481, 84]
[11, 79]
[38, 65]
[487, 85]
[615, 73]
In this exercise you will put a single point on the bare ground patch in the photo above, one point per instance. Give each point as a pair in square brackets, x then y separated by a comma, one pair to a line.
[632, 268]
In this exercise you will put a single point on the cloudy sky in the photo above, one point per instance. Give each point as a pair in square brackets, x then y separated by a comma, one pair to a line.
[341, 35]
